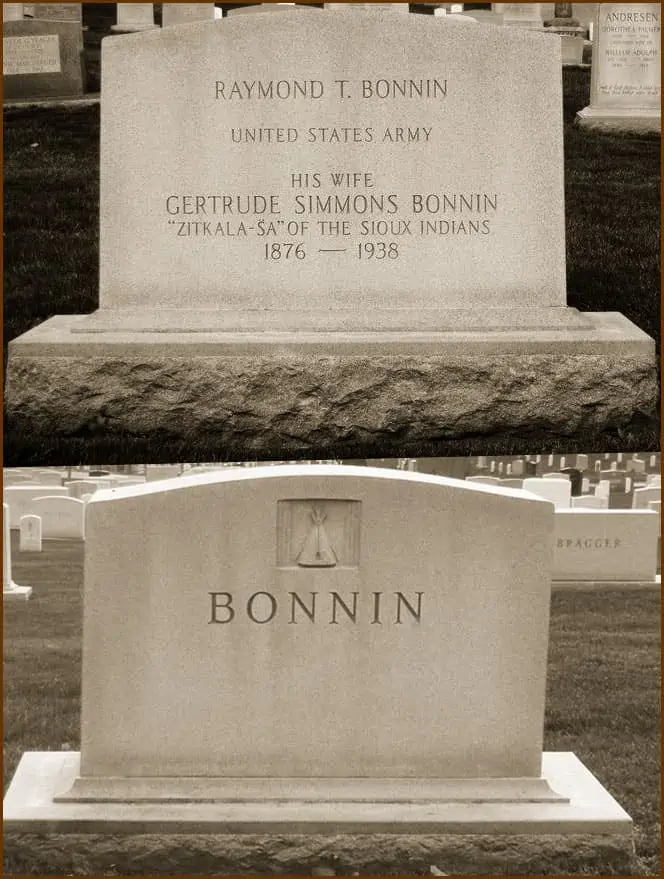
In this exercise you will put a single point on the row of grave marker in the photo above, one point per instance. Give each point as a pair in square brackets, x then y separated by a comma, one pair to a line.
[43, 57]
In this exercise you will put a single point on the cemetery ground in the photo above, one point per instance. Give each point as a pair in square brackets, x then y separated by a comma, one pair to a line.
[603, 695]
[51, 210]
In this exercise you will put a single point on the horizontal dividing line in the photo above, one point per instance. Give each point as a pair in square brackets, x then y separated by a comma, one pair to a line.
[332, 249]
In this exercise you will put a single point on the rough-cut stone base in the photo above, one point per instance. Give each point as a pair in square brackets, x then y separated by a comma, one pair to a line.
[279, 394]
[345, 855]
[615, 121]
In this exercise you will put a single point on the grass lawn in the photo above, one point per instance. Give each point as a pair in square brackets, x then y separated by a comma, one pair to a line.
[51, 215]
[602, 703]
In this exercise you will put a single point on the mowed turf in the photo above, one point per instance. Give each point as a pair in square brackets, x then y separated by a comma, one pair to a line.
[603, 697]
[51, 220]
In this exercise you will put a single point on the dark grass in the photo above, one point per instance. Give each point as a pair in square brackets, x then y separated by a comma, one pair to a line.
[612, 192]
[603, 703]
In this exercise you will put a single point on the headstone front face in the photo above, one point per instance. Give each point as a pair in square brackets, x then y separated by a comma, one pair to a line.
[186, 13]
[625, 90]
[21, 498]
[326, 170]
[359, 622]
[558, 491]
[42, 59]
[30, 534]
[12, 12]
[61, 517]
[643, 496]
[527, 15]
[605, 545]
[134, 17]
[10, 590]
[78, 487]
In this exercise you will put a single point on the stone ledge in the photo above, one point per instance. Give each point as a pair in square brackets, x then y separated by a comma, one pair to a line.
[34, 803]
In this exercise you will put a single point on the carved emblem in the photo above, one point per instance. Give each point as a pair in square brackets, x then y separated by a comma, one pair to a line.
[317, 551]
[318, 533]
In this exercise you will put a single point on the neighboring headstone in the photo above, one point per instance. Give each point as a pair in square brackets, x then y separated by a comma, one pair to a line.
[186, 13]
[55, 11]
[42, 59]
[605, 545]
[133, 17]
[12, 12]
[325, 229]
[62, 518]
[656, 507]
[10, 590]
[288, 581]
[576, 479]
[591, 502]
[582, 462]
[625, 88]
[510, 483]
[78, 487]
[643, 496]
[518, 467]
[49, 477]
[603, 489]
[483, 480]
[638, 465]
[367, 7]
[265, 7]
[526, 15]
[10, 477]
[30, 534]
[20, 499]
[558, 491]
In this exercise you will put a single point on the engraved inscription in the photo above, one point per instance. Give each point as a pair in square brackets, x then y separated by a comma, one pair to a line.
[30, 55]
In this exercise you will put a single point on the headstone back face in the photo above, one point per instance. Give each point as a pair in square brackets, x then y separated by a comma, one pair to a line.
[317, 622]
[305, 184]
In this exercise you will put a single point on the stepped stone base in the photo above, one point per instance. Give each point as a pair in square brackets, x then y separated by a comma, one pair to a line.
[279, 392]
[48, 795]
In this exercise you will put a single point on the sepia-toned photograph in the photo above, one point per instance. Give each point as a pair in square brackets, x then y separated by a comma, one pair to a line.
[331, 459]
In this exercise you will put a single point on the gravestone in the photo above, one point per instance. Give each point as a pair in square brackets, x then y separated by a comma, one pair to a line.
[30, 534]
[12, 12]
[42, 59]
[55, 11]
[133, 17]
[582, 462]
[591, 502]
[78, 487]
[10, 590]
[21, 498]
[241, 607]
[605, 545]
[62, 518]
[558, 491]
[186, 13]
[576, 480]
[305, 219]
[625, 89]
[522, 15]
[643, 496]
